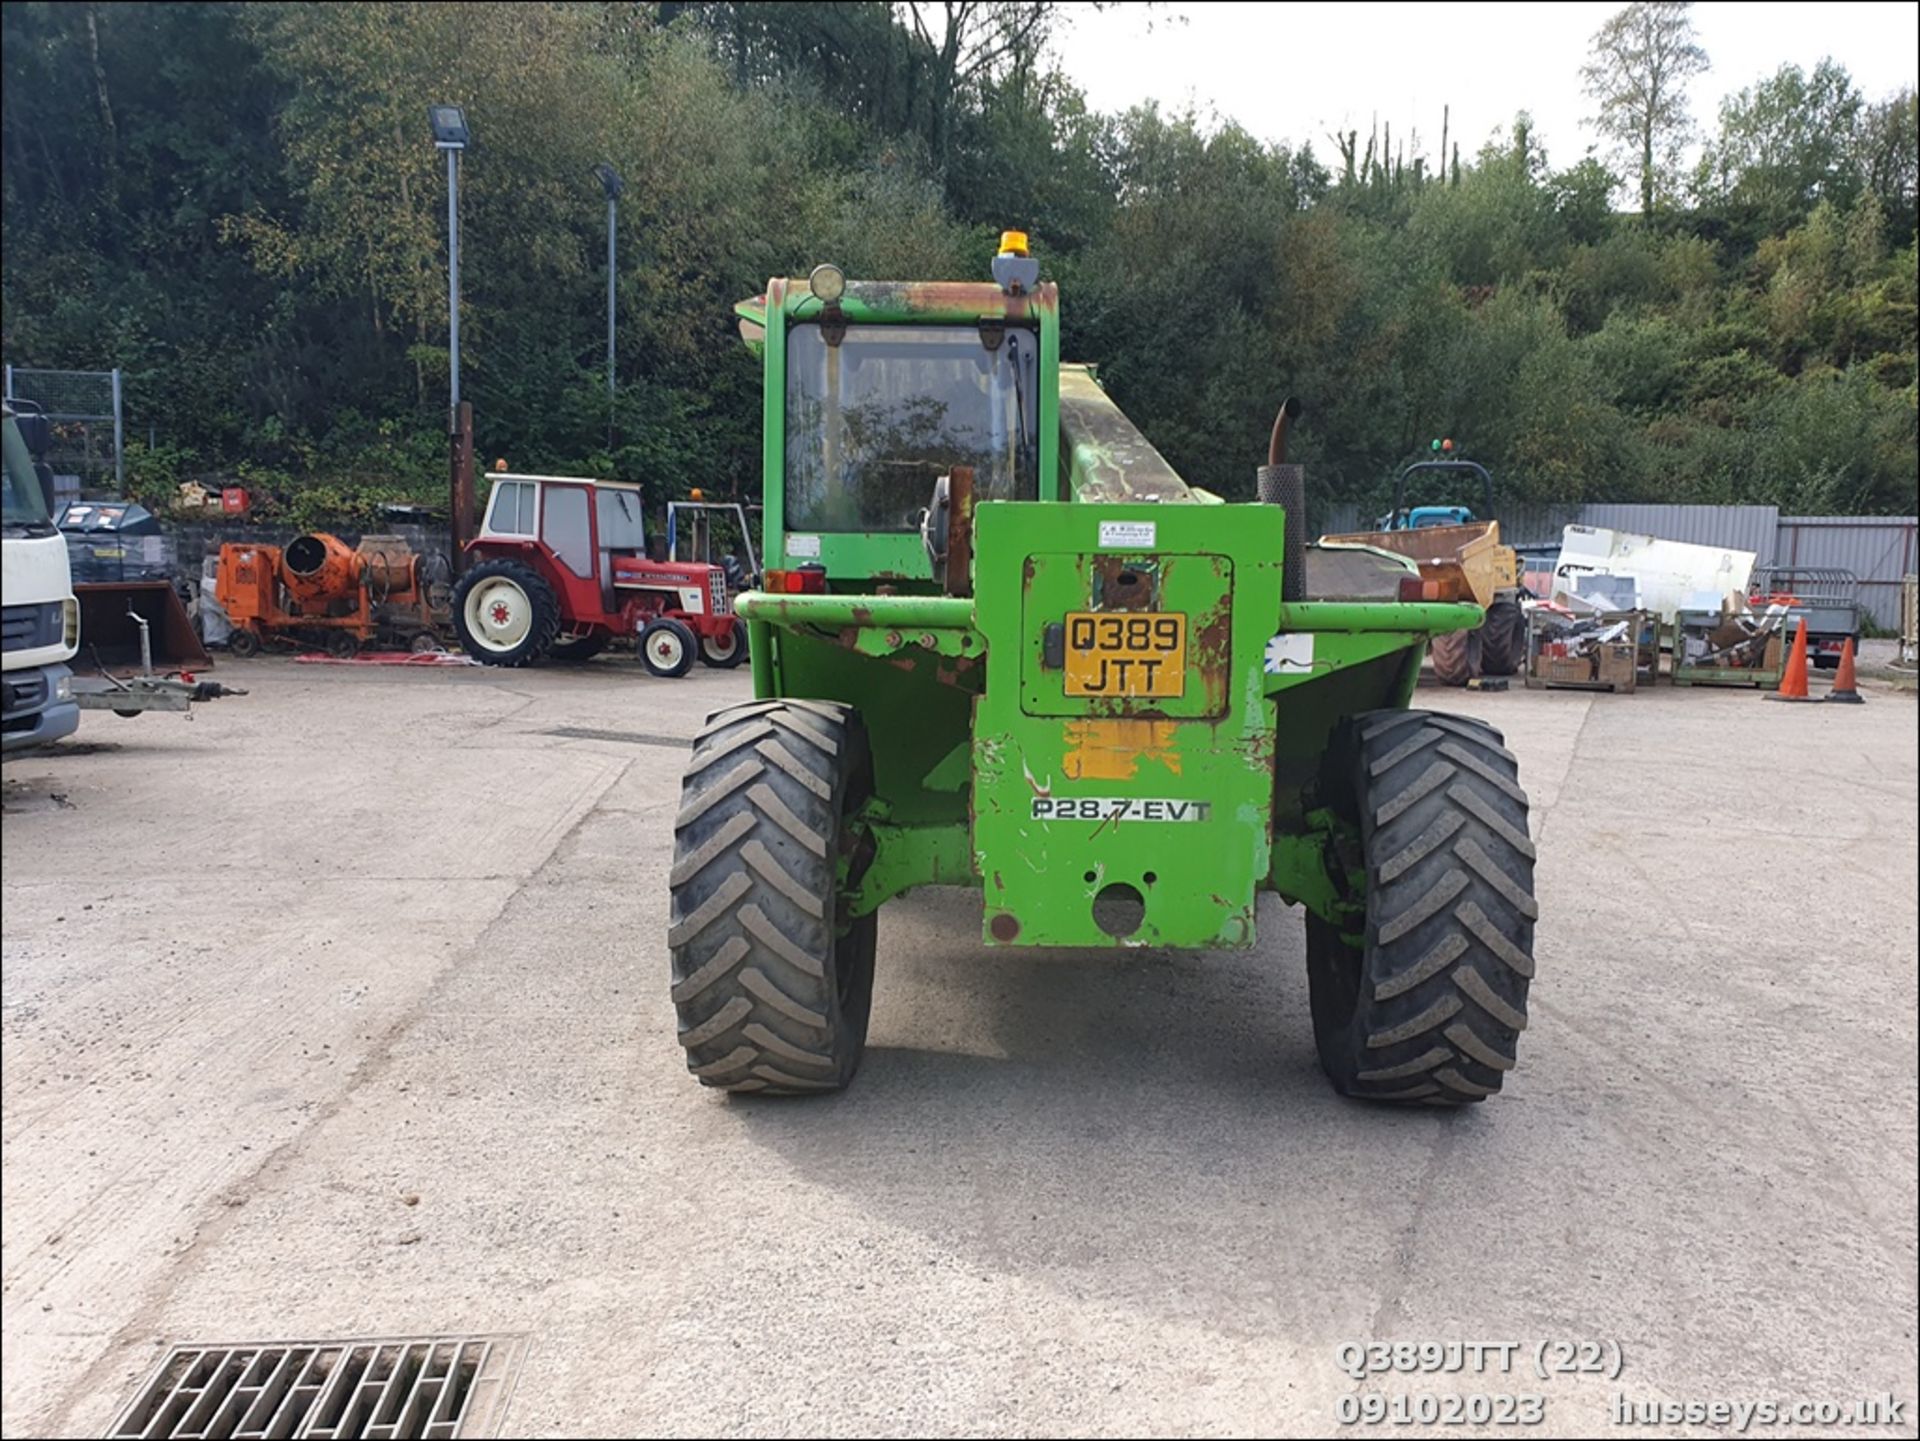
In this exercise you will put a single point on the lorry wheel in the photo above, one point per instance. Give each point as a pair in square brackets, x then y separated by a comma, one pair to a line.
[579, 648]
[1503, 639]
[772, 980]
[667, 648]
[505, 613]
[1456, 656]
[726, 651]
[243, 644]
[1427, 1008]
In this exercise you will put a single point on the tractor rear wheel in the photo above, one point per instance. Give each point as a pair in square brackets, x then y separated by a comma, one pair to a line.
[772, 979]
[667, 647]
[1429, 1003]
[1455, 656]
[1503, 639]
[505, 613]
[726, 651]
[580, 647]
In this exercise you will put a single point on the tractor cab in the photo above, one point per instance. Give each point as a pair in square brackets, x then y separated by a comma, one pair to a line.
[561, 568]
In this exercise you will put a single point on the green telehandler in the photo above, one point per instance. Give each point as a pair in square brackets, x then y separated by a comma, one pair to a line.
[999, 642]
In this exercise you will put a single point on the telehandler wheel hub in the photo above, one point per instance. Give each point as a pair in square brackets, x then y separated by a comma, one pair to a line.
[499, 614]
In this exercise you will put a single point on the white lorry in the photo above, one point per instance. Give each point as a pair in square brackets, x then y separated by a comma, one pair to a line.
[40, 626]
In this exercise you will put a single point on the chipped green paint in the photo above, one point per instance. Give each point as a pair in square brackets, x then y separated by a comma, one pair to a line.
[1085, 820]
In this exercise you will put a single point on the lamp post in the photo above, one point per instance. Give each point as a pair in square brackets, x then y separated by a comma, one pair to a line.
[611, 183]
[450, 134]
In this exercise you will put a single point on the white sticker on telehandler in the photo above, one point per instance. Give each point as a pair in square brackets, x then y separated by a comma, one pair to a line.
[1128, 534]
[1290, 653]
[803, 547]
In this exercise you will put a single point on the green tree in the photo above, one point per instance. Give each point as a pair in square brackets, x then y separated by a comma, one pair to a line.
[1784, 145]
[1641, 61]
[1887, 150]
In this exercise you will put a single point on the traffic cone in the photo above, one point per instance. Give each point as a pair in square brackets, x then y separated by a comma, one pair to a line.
[1844, 688]
[1793, 680]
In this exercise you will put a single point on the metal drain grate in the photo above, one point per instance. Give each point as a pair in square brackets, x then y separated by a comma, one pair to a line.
[637, 738]
[428, 1386]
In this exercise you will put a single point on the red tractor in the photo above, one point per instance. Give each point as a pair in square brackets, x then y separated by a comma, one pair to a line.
[560, 568]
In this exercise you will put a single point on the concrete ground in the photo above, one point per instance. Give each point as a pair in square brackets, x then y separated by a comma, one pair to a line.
[369, 936]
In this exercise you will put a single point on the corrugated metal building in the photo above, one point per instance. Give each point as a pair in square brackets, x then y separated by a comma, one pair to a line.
[1878, 549]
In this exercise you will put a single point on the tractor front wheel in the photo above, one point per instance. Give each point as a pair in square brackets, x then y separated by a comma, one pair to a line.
[726, 650]
[505, 613]
[772, 979]
[1426, 1002]
[667, 648]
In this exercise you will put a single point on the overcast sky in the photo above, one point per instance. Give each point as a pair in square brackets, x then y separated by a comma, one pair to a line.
[1300, 72]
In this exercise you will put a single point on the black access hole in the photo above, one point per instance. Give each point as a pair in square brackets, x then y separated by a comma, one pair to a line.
[1150, 878]
[1128, 577]
[1092, 876]
[1119, 909]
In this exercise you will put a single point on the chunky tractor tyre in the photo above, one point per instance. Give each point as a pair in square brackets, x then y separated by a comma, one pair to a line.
[727, 651]
[1503, 639]
[1430, 1007]
[667, 648]
[772, 980]
[579, 648]
[505, 613]
[1455, 656]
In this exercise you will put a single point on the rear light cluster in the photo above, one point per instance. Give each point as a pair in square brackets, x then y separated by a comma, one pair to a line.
[807, 580]
[1413, 588]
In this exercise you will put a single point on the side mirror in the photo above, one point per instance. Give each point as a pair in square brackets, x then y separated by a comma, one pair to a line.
[37, 432]
[935, 522]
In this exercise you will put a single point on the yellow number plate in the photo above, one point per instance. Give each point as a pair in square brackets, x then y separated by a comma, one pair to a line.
[1126, 653]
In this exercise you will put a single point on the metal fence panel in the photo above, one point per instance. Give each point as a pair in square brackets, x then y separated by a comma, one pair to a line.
[88, 417]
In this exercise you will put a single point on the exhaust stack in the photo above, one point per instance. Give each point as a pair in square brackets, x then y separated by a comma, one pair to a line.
[1277, 483]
